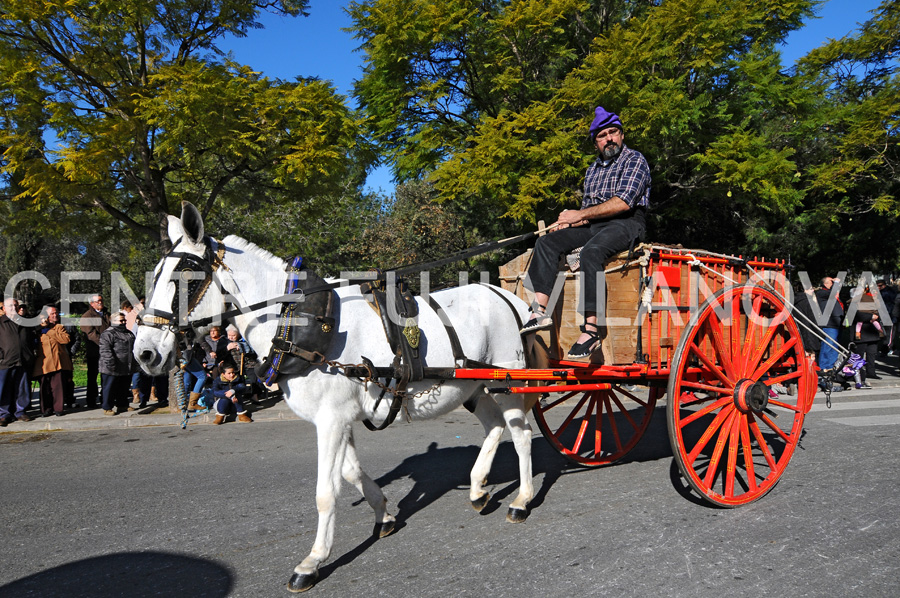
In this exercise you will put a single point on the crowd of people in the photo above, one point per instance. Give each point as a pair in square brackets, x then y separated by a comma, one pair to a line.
[847, 348]
[219, 373]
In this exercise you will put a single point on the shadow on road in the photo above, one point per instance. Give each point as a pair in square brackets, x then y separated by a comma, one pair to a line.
[131, 574]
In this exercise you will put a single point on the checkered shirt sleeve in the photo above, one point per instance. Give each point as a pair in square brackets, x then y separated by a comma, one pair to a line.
[627, 177]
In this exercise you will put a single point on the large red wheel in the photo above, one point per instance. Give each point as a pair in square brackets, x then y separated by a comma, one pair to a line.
[732, 437]
[597, 427]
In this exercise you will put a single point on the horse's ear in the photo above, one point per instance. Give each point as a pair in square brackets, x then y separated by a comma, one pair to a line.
[175, 230]
[192, 223]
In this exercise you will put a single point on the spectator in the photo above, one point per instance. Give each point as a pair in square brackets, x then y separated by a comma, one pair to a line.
[131, 324]
[116, 365]
[889, 296]
[828, 354]
[16, 358]
[195, 373]
[229, 390]
[866, 331]
[93, 323]
[52, 361]
[245, 361]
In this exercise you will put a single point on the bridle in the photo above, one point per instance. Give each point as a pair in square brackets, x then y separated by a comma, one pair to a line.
[196, 274]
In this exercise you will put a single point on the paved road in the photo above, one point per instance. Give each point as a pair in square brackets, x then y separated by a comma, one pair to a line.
[228, 511]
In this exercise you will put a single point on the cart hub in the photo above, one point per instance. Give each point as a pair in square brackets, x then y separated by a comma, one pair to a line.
[751, 395]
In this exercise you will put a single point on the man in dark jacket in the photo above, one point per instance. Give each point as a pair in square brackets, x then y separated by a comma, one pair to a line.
[116, 365]
[16, 359]
[94, 321]
[833, 316]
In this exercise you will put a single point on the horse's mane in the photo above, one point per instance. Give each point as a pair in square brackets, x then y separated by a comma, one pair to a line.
[254, 249]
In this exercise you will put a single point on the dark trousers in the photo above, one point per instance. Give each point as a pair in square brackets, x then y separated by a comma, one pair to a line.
[92, 357]
[116, 391]
[15, 394]
[599, 242]
[53, 393]
[869, 350]
[69, 388]
[146, 382]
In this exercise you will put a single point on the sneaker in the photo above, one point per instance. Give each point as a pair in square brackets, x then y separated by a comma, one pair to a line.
[108, 412]
[864, 385]
[220, 419]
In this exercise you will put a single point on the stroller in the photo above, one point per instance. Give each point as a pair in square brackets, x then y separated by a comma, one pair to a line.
[854, 370]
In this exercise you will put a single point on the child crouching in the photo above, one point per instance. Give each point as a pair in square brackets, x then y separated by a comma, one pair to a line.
[228, 390]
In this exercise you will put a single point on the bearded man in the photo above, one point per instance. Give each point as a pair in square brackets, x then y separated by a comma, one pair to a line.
[611, 219]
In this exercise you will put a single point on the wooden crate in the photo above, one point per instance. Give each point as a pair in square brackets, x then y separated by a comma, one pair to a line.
[622, 300]
[679, 285]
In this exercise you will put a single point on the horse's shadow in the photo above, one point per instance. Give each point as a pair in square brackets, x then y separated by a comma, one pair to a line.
[441, 470]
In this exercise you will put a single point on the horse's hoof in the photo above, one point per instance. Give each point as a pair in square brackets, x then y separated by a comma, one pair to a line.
[302, 582]
[479, 503]
[385, 528]
[516, 515]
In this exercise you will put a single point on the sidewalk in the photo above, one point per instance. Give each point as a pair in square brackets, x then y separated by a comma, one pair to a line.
[275, 409]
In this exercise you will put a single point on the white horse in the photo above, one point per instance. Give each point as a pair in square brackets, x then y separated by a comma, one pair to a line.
[487, 330]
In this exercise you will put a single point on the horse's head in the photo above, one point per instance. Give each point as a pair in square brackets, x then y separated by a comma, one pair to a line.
[183, 292]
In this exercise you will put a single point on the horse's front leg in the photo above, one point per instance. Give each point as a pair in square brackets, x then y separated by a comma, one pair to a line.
[355, 475]
[513, 407]
[332, 439]
[488, 413]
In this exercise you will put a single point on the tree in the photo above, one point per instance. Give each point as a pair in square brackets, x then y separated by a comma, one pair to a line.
[436, 71]
[114, 112]
[698, 84]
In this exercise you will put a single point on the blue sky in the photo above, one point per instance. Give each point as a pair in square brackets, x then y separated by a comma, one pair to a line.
[317, 46]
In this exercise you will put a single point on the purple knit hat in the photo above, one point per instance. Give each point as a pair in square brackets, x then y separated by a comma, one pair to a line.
[602, 120]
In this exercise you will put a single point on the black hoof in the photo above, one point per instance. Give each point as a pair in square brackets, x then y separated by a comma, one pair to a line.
[516, 515]
[385, 529]
[302, 582]
[479, 503]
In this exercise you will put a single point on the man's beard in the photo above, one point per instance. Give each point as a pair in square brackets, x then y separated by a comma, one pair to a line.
[610, 150]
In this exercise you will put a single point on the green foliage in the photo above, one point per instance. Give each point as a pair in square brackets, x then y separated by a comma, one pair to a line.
[115, 112]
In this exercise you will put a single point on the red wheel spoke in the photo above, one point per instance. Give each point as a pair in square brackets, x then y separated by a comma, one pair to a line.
[612, 423]
[771, 329]
[584, 422]
[708, 409]
[598, 428]
[784, 405]
[622, 410]
[775, 428]
[721, 352]
[774, 358]
[721, 441]
[707, 435]
[568, 420]
[733, 446]
[784, 378]
[707, 387]
[763, 445]
[736, 353]
[710, 366]
[559, 401]
[748, 455]
[621, 390]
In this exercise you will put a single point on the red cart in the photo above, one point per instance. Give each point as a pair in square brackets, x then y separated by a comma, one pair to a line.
[714, 333]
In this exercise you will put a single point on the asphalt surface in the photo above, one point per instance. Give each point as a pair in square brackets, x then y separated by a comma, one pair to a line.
[136, 506]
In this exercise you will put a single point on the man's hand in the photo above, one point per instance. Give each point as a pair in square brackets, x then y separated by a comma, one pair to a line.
[570, 218]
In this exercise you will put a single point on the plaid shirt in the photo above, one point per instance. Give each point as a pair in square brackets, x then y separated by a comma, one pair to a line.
[627, 177]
